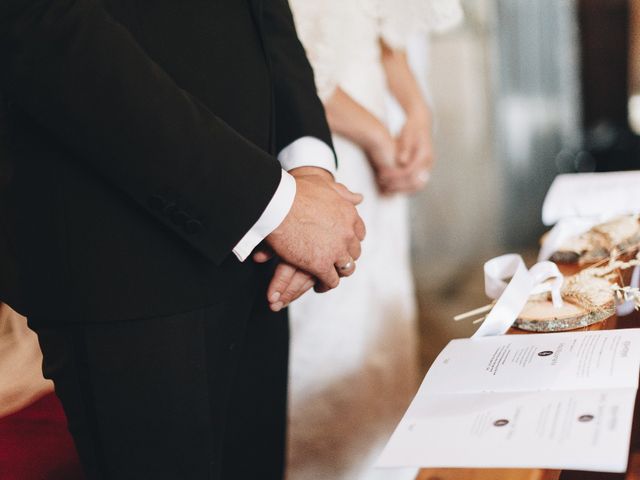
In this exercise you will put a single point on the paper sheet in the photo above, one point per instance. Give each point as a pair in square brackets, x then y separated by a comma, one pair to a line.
[562, 400]
[592, 195]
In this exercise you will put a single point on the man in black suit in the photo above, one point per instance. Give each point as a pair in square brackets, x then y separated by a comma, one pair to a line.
[153, 144]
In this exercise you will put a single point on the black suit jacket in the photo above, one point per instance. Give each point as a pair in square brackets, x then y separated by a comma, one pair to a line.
[141, 141]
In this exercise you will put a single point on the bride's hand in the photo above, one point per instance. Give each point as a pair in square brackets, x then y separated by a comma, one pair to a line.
[381, 152]
[414, 140]
[381, 149]
[414, 158]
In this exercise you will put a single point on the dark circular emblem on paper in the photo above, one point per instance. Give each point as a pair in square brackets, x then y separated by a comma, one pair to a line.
[545, 353]
[500, 423]
[585, 418]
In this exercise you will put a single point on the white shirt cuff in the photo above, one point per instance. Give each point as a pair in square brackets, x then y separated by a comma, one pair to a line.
[307, 152]
[271, 218]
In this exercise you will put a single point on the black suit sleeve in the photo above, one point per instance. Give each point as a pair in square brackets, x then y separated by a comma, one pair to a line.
[7, 259]
[299, 111]
[82, 76]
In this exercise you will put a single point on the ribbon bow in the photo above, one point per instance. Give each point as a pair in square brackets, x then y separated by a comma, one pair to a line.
[512, 295]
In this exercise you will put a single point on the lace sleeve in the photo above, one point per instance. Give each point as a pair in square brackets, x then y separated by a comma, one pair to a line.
[319, 25]
[335, 32]
[399, 20]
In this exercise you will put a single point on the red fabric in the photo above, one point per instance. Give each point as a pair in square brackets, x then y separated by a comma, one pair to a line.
[36, 445]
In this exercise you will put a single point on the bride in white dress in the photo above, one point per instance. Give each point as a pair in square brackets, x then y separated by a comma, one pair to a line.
[353, 352]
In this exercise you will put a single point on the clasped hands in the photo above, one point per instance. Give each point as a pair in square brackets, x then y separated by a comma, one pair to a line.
[402, 164]
[319, 240]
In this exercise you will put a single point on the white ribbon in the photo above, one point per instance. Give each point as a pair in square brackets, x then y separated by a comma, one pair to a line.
[512, 296]
[625, 308]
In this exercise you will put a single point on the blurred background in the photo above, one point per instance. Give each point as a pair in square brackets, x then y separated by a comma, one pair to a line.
[521, 91]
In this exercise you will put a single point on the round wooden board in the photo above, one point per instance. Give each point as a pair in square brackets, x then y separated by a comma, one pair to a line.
[542, 316]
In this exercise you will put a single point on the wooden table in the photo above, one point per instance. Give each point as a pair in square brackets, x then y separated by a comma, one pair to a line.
[633, 471]
[487, 474]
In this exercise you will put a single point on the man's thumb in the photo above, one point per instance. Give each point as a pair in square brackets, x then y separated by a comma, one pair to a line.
[348, 195]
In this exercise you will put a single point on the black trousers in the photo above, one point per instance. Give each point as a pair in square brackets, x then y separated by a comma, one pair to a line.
[199, 395]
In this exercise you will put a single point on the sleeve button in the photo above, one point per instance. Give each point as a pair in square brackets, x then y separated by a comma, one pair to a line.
[180, 217]
[157, 202]
[193, 226]
[169, 209]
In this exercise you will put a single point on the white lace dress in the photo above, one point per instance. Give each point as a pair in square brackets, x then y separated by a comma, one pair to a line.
[353, 351]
